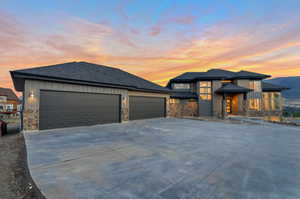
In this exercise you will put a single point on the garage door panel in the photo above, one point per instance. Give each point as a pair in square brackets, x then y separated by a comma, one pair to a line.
[146, 107]
[67, 109]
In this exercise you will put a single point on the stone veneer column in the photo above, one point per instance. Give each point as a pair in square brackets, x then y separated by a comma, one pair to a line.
[31, 108]
[124, 107]
[168, 110]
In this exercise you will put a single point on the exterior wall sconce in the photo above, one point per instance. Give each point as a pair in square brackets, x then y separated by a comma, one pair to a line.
[31, 94]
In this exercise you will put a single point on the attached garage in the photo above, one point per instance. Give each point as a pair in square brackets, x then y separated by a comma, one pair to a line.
[81, 94]
[68, 109]
[141, 107]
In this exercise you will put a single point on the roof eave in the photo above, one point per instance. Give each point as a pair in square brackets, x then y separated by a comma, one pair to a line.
[232, 92]
[18, 75]
[274, 89]
[249, 77]
[182, 97]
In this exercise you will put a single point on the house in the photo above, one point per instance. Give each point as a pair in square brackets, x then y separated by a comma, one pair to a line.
[221, 92]
[81, 93]
[9, 101]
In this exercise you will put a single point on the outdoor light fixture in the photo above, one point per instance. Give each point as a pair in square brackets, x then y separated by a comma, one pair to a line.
[31, 94]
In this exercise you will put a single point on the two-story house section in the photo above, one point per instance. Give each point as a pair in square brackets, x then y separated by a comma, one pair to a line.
[220, 93]
[9, 101]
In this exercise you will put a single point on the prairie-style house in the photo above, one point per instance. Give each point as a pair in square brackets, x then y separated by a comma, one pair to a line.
[221, 93]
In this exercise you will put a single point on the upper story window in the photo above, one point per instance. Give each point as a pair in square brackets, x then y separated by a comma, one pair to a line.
[205, 90]
[3, 98]
[181, 86]
[255, 85]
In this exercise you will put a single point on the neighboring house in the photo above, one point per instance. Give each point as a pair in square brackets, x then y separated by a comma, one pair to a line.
[9, 101]
[220, 93]
[81, 93]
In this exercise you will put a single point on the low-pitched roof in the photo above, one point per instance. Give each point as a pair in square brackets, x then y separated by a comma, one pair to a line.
[216, 74]
[267, 87]
[85, 73]
[9, 93]
[250, 75]
[183, 95]
[232, 88]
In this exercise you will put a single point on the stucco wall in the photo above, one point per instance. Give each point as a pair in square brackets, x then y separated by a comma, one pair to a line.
[243, 82]
[32, 98]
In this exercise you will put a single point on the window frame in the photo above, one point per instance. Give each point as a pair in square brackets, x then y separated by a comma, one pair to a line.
[206, 87]
[256, 106]
[188, 86]
[255, 85]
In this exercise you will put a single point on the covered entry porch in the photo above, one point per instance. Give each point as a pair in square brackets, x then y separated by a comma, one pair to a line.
[234, 99]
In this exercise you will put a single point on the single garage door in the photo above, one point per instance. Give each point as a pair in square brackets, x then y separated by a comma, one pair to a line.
[69, 109]
[146, 107]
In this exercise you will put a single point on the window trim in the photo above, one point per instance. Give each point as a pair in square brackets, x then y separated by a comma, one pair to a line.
[257, 104]
[207, 96]
[188, 86]
[255, 85]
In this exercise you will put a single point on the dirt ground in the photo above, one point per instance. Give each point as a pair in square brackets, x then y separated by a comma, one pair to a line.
[15, 180]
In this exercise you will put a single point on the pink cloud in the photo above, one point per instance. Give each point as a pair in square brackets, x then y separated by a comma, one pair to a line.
[156, 30]
[185, 20]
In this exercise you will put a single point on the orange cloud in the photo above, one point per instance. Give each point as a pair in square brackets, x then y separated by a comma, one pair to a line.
[228, 44]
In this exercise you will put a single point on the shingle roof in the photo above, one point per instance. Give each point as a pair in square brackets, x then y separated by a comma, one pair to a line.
[267, 87]
[184, 95]
[93, 73]
[248, 74]
[214, 74]
[9, 94]
[232, 88]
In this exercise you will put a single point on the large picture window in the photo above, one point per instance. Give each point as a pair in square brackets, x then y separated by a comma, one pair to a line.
[272, 101]
[254, 104]
[267, 100]
[205, 90]
[255, 85]
[181, 86]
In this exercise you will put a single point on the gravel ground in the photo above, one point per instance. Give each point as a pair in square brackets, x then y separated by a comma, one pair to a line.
[15, 180]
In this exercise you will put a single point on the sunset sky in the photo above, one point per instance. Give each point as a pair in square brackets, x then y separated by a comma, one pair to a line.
[156, 39]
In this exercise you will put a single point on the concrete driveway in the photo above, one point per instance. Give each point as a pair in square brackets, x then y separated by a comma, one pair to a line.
[167, 159]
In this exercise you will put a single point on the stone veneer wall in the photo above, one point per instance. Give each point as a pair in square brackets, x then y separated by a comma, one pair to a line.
[216, 99]
[32, 99]
[184, 107]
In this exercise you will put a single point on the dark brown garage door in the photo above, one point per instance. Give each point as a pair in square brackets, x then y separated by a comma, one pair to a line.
[146, 107]
[68, 109]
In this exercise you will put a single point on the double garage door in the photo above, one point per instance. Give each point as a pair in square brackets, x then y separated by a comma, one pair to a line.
[69, 109]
